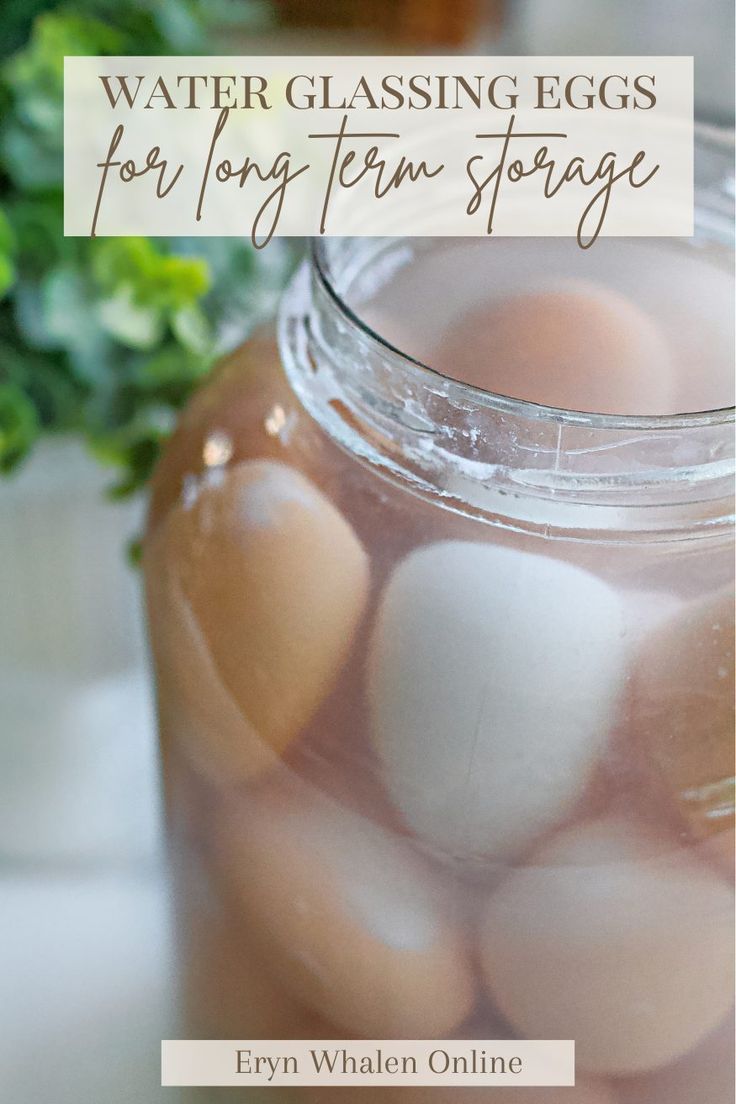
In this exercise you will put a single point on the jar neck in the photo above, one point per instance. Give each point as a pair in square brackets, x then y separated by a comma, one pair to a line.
[568, 475]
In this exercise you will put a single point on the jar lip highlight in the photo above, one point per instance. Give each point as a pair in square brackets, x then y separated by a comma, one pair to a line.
[481, 397]
[567, 474]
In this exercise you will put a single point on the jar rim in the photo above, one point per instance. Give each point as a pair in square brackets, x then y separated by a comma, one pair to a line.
[717, 139]
[566, 474]
[506, 403]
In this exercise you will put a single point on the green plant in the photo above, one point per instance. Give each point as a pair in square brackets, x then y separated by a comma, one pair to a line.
[106, 338]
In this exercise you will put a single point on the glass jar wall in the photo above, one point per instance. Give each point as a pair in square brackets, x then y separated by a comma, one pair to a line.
[445, 679]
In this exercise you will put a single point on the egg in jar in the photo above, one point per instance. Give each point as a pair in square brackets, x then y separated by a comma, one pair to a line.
[575, 345]
[493, 679]
[245, 412]
[682, 718]
[705, 1075]
[352, 923]
[229, 989]
[256, 587]
[612, 939]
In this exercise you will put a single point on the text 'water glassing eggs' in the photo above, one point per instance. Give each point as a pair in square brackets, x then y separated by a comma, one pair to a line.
[682, 723]
[613, 941]
[578, 346]
[492, 680]
[256, 588]
[355, 925]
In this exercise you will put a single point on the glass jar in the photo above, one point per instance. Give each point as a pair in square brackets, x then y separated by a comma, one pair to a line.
[445, 686]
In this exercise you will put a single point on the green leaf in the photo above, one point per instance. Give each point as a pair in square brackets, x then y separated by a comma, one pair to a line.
[171, 374]
[70, 316]
[7, 249]
[7, 273]
[7, 237]
[37, 225]
[56, 395]
[140, 460]
[152, 277]
[47, 383]
[135, 452]
[30, 319]
[64, 304]
[131, 323]
[179, 281]
[57, 34]
[30, 164]
[107, 337]
[18, 426]
[191, 328]
[134, 552]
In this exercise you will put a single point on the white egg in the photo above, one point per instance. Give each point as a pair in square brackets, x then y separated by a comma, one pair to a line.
[352, 923]
[704, 1076]
[492, 680]
[613, 941]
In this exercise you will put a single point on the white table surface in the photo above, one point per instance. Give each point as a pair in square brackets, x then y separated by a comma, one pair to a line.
[85, 951]
[86, 971]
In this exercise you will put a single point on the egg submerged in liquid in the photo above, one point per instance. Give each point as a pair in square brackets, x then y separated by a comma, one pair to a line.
[682, 718]
[352, 923]
[705, 1075]
[492, 681]
[611, 938]
[575, 346]
[256, 587]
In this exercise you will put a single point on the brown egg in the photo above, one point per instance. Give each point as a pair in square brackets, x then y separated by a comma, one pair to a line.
[188, 798]
[255, 591]
[356, 926]
[245, 411]
[721, 851]
[228, 987]
[610, 940]
[704, 1076]
[584, 1092]
[578, 346]
[682, 720]
[248, 411]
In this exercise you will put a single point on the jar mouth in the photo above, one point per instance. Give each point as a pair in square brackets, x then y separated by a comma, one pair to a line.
[492, 400]
[567, 474]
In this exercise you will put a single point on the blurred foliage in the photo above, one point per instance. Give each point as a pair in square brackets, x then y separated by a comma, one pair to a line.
[106, 337]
